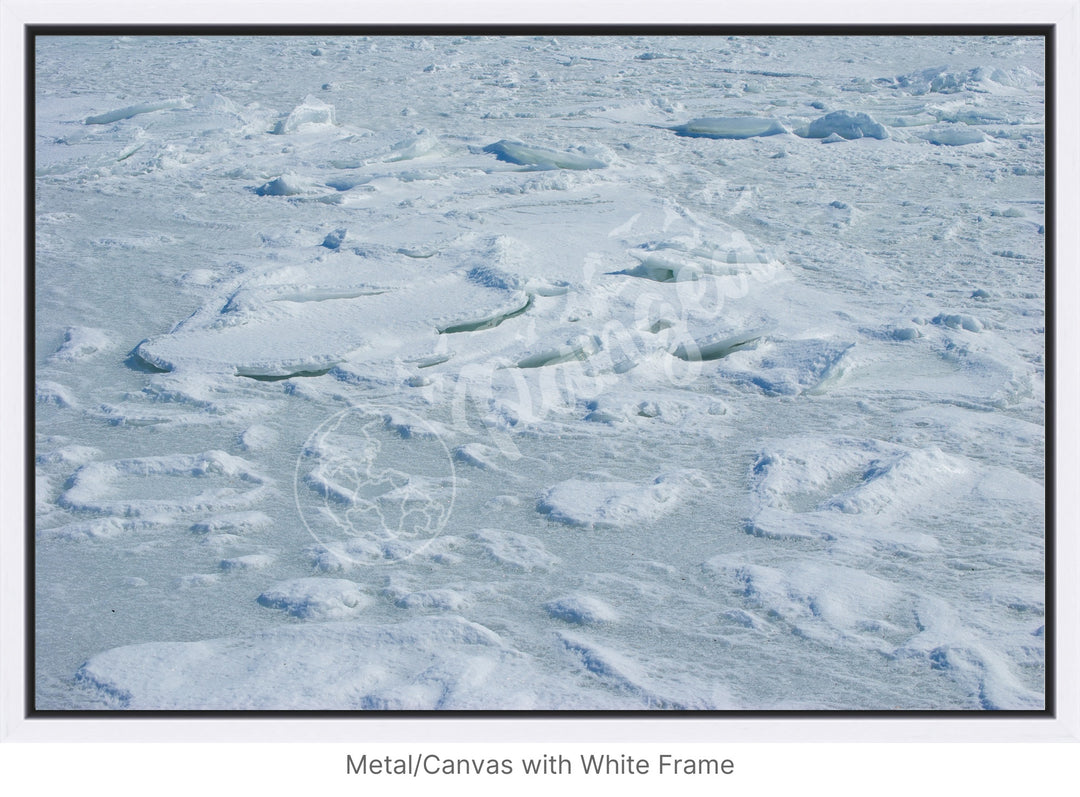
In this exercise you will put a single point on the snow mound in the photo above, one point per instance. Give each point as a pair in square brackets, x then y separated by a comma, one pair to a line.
[844, 124]
[483, 457]
[257, 438]
[233, 523]
[540, 158]
[980, 79]
[847, 488]
[316, 598]
[48, 392]
[100, 529]
[286, 185]
[335, 238]
[435, 662]
[68, 455]
[618, 504]
[423, 143]
[90, 486]
[730, 127]
[442, 599]
[822, 601]
[409, 426]
[311, 114]
[651, 684]
[251, 561]
[895, 478]
[476, 454]
[337, 557]
[953, 648]
[958, 321]
[517, 551]
[80, 343]
[581, 610]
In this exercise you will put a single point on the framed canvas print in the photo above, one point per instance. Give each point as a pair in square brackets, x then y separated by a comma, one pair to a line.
[542, 371]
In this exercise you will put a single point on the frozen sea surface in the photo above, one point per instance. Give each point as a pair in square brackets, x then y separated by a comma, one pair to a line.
[531, 373]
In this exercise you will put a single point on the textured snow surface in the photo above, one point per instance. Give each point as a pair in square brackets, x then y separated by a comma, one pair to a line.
[479, 372]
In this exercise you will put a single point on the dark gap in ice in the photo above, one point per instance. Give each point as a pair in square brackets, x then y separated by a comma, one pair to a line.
[128, 154]
[659, 269]
[697, 351]
[579, 351]
[279, 377]
[417, 254]
[432, 361]
[485, 323]
[649, 271]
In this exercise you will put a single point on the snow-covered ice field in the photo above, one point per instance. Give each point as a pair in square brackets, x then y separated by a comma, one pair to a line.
[479, 372]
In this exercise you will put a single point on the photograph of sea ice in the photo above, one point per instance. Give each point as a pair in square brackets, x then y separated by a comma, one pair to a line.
[539, 372]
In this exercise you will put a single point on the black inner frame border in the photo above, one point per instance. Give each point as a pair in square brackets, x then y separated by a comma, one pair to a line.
[1046, 31]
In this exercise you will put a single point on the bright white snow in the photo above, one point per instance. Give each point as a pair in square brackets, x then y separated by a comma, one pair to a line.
[531, 372]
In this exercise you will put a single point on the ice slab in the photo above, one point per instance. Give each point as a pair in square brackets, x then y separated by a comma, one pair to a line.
[846, 124]
[730, 127]
[328, 312]
[311, 114]
[129, 111]
[540, 157]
